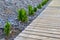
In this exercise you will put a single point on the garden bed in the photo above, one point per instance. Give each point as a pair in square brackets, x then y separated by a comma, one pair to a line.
[8, 12]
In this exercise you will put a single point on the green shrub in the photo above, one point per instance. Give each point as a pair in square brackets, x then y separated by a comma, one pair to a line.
[39, 6]
[7, 28]
[19, 15]
[35, 9]
[22, 16]
[44, 2]
[30, 9]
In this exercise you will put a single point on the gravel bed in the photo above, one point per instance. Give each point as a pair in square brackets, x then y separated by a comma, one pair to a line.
[8, 12]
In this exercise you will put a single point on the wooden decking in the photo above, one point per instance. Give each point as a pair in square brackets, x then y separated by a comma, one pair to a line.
[46, 26]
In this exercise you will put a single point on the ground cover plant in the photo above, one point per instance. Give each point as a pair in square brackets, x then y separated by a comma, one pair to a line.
[22, 15]
[7, 28]
[44, 2]
[30, 10]
[39, 6]
[35, 9]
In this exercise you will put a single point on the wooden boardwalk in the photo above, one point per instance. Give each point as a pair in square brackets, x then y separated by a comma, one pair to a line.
[46, 26]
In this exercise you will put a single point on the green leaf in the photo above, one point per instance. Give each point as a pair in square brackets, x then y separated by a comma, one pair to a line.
[35, 9]
[39, 6]
[22, 15]
[7, 28]
[31, 10]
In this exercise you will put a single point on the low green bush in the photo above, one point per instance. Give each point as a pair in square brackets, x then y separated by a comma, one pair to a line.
[30, 10]
[22, 15]
[44, 2]
[7, 28]
[39, 6]
[35, 9]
